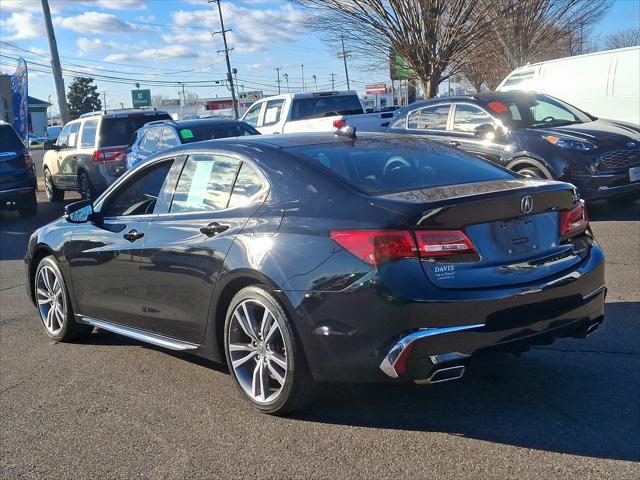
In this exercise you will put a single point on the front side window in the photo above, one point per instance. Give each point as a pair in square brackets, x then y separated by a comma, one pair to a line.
[205, 183]
[88, 136]
[252, 115]
[247, 185]
[433, 118]
[468, 117]
[273, 111]
[139, 195]
[533, 110]
[63, 138]
[9, 138]
[73, 135]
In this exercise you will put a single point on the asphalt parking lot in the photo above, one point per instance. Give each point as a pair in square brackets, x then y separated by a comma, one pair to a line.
[110, 407]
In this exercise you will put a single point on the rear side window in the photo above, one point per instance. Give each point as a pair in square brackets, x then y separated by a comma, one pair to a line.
[376, 166]
[169, 138]
[88, 135]
[247, 185]
[205, 183]
[325, 106]
[9, 139]
[149, 143]
[119, 131]
[431, 118]
[198, 133]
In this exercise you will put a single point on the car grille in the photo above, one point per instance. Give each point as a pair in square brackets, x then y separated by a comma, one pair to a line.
[620, 158]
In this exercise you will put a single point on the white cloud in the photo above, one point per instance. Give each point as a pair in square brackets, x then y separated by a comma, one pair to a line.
[159, 53]
[119, 4]
[253, 30]
[95, 23]
[255, 66]
[38, 51]
[87, 45]
[20, 26]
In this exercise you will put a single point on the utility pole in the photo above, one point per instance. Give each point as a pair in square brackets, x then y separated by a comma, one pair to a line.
[55, 62]
[278, 80]
[104, 97]
[315, 82]
[226, 54]
[344, 57]
[333, 81]
[303, 87]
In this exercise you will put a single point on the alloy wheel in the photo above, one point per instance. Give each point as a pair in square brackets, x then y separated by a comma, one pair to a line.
[85, 188]
[51, 300]
[48, 184]
[257, 351]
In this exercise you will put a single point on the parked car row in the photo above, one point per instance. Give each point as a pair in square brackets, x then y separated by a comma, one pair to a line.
[18, 182]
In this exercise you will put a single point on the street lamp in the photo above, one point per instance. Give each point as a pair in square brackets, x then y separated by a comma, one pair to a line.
[303, 87]
[286, 79]
[315, 82]
[49, 110]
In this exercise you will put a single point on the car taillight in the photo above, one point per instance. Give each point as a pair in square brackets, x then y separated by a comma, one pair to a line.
[437, 243]
[376, 247]
[574, 221]
[107, 155]
[339, 123]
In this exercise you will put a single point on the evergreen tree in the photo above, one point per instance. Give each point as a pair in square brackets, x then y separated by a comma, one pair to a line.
[83, 97]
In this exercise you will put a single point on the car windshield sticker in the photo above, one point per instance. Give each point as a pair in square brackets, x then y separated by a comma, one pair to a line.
[199, 184]
[185, 133]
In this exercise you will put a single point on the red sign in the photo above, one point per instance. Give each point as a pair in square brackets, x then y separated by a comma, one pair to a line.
[376, 89]
[219, 105]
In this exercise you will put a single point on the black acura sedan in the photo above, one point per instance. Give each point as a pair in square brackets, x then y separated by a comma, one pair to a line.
[536, 135]
[318, 257]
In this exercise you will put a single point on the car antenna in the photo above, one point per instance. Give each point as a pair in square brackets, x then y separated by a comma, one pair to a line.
[346, 131]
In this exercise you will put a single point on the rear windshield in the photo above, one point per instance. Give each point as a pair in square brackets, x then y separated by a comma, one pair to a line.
[9, 139]
[329, 106]
[377, 166]
[198, 133]
[119, 131]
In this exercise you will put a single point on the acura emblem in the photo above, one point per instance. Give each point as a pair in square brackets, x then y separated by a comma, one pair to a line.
[631, 145]
[526, 204]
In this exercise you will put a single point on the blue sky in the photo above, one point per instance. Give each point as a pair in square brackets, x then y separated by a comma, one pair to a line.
[151, 41]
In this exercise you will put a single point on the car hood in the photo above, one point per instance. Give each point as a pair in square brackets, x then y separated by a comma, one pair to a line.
[601, 132]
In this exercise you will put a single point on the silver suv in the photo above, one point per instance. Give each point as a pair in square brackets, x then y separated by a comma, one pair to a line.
[89, 152]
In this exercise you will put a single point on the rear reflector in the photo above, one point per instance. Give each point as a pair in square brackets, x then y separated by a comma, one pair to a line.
[107, 155]
[376, 247]
[574, 221]
[436, 243]
[339, 123]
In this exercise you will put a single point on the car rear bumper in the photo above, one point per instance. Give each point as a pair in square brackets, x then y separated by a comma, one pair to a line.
[388, 338]
[605, 185]
[16, 194]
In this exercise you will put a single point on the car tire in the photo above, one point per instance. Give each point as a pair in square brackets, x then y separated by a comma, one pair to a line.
[87, 191]
[54, 307]
[28, 207]
[54, 194]
[530, 168]
[264, 355]
[624, 200]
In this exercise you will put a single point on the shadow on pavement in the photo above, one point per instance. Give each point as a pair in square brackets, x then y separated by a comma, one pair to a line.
[603, 211]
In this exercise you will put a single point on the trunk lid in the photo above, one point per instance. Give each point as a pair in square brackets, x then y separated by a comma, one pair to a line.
[513, 247]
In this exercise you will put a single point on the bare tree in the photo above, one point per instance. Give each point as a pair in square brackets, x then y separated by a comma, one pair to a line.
[530, 28]
[157, 100]
[622, 39]
[428, 34]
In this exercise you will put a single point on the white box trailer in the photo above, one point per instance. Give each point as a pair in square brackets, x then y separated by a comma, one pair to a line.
[605, 84]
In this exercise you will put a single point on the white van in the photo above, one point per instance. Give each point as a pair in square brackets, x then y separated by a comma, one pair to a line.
[604, 84]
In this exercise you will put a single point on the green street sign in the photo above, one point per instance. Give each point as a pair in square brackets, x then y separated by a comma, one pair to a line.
[141, 98]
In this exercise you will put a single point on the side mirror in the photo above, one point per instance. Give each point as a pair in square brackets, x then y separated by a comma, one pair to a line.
[486, 131]
[80, 212]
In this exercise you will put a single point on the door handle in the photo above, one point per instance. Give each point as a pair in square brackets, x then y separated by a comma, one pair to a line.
[213, 229]
[133, 235]
[454, 143]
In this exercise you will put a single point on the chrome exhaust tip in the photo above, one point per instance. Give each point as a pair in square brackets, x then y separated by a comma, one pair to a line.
[444, 375]
[591, 329]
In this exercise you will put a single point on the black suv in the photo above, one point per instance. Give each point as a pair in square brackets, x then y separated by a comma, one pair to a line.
[17, 173]
[88, 155]
[535, 135]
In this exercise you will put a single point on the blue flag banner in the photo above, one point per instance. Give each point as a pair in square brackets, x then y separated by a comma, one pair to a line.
[20, 94]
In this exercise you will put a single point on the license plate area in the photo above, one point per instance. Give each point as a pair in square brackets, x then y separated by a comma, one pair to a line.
[515, 237]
